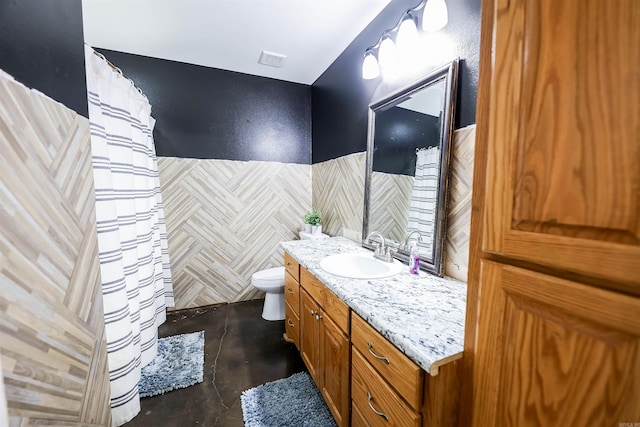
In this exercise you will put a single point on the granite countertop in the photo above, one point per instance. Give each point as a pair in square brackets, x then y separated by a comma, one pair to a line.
[422, 315]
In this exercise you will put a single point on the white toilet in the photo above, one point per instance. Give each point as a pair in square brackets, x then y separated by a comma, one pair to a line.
[271, 282]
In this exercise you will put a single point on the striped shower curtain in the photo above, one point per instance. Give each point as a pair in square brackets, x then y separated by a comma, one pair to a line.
[422, 211]
[134, 260]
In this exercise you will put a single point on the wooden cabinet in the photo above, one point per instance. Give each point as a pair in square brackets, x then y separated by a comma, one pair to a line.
[554, 281]
[324, 345]
[292, 300]
[390, 390]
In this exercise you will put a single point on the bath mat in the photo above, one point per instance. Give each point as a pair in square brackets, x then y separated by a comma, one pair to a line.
[293, 401]
[179, 364]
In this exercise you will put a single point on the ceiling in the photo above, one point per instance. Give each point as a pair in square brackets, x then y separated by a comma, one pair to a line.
[230, 34]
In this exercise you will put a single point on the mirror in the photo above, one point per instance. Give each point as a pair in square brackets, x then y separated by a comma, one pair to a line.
[406, 180]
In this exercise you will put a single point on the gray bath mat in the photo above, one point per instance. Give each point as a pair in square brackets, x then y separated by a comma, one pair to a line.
[293, 401]
[179, 364]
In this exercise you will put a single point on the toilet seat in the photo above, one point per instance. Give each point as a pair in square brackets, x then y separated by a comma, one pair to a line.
[268, 276]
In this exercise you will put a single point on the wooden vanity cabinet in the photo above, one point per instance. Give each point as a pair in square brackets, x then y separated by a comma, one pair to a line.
[292, 300]
[553, 309]
[325, 344]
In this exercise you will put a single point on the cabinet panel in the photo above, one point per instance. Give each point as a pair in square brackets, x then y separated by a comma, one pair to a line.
[310, 335]
[372, 394]
[328, 300]
[398, 370]
[555, 352]
[335, 370]
[292, 267]
[292, 293]
[357, 419]
[563, 182]
[292, 325]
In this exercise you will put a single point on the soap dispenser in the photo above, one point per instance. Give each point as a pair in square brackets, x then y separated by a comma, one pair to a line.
[414, 260]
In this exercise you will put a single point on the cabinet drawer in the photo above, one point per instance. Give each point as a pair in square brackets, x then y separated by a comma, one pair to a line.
[330, 303]
[397, 369]
[357, 419]
[375, 399]
[292, 293]
[292, 325]
[292, 267]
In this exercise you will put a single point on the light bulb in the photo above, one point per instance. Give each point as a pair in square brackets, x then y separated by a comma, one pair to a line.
[407, 33]
[387, 53]
[370, 69]
[435, 15]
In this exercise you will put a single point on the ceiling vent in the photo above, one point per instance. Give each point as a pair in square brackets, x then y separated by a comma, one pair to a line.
[271, 59]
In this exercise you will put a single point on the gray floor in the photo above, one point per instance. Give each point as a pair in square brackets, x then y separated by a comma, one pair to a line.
[241, 351]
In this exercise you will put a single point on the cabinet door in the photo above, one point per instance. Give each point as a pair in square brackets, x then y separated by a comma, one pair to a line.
[335, 369]
[553, 352]
[563, 181]
[310, 335]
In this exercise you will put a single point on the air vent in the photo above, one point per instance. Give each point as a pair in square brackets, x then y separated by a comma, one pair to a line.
[271, 59]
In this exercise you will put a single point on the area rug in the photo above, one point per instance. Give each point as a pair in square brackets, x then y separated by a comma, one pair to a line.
[293, 401]
[179, 364]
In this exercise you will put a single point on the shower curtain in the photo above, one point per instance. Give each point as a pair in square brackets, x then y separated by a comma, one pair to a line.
[422, 211]
[134, 260]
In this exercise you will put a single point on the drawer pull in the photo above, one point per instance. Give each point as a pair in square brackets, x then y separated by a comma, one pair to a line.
[289, 265]
[384, 359]
[290, 291]
[290, 323]
[381, 414]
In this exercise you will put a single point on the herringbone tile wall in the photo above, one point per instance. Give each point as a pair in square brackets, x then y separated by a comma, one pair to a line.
[54, 357]
[390, 202]
[225, 220]
[338, 191]
[459, 210]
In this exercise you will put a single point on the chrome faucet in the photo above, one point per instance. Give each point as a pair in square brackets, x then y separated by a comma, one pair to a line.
[409, 235]
[381, 253]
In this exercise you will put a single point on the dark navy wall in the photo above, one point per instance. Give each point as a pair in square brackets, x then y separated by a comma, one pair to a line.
[400, 131]
[42, 46]
[341, 97]
[209, 113]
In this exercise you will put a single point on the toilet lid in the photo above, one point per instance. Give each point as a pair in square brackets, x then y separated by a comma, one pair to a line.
[270, 274]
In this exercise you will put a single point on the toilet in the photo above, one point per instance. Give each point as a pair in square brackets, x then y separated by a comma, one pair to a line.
[271, 282]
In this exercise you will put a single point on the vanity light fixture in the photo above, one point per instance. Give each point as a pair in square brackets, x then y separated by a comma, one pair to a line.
[435, 15]
[432, 15]
[370, 67]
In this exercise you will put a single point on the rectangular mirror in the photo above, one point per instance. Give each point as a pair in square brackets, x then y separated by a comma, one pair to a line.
[406, 180]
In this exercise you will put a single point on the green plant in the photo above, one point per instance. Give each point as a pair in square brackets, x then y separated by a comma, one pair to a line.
[313, 217]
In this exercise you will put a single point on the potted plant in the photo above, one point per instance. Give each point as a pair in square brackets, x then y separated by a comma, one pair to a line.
[313, 221]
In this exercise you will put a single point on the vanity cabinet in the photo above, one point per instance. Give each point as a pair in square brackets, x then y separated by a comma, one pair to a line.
[360, 373]
[554, 283]
[324, 343]
[388, 389]
[292, 300]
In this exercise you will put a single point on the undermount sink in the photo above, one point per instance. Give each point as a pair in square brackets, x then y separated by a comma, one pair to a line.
[360, 265]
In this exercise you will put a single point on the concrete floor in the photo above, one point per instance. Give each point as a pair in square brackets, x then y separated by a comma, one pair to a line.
[241, 351]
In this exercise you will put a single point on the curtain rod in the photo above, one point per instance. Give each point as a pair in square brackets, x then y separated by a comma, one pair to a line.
[119, 71]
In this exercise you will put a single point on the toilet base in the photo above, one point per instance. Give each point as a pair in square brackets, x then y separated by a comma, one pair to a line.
[273, 307]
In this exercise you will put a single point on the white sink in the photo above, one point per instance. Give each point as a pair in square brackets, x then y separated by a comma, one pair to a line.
[360, 265]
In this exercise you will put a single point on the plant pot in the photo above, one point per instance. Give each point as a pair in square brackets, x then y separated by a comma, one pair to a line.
[307, 228]
[316, 229]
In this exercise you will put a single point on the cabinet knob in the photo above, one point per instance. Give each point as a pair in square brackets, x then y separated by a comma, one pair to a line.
[290, 323]
[313, 312]
[318, 316]
[290, 291]
[381, 414]
[370, 347]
